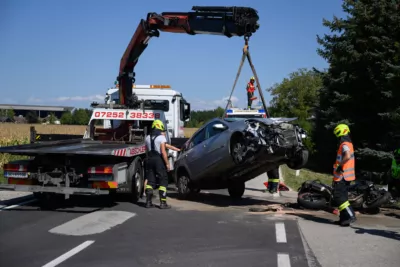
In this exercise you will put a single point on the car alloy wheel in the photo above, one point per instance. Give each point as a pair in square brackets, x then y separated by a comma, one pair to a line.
[237, 152]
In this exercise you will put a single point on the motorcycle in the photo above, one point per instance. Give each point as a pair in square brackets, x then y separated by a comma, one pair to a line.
[363, 195]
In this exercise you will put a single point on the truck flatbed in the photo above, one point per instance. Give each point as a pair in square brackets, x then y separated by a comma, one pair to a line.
[78, 147]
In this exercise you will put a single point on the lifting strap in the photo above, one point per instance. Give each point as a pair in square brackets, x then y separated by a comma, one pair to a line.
[246, 54]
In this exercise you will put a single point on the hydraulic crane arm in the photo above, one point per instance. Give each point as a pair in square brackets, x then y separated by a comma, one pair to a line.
[226, 21]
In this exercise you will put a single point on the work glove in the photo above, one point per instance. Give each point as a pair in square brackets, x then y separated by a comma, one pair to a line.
[339, 168]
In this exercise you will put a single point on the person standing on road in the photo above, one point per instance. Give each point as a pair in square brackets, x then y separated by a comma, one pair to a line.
[250, 92]
[273, 180]
[343, 174]
[394, 179]
[157, 165]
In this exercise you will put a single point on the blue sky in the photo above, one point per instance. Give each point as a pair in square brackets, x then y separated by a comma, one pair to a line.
[67, 52]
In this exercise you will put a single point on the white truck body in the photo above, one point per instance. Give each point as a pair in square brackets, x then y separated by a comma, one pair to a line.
[175, 107]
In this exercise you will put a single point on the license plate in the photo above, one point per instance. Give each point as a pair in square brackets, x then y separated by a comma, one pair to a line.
[15, 174]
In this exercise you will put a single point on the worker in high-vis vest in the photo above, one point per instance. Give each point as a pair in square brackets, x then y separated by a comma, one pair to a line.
[343, 174]
[157, 165]
[394, 181]
[250, 92]
[273, 180]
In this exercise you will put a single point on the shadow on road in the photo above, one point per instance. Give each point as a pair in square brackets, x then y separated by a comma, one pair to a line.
[76, 204]
[393, 215]
[311, 217]
[219, 200]
[382, 233]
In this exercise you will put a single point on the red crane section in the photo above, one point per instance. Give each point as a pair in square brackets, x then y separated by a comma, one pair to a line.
[225, 21]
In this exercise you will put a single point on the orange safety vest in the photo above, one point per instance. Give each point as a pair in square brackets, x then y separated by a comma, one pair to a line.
[250, 88]
[348, 168]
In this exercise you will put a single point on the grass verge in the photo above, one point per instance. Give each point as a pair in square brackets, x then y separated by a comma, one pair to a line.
[294, 182]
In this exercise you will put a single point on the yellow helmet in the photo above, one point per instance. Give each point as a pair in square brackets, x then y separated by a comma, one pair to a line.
[252, 78]
[341, 130]
[158, 125]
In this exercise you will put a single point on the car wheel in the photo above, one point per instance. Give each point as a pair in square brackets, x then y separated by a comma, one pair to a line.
[299, 160]
[237, 148]
[236, 190]
[183, 187]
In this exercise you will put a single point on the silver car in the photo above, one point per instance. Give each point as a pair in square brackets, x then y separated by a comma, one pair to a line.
[225, 153]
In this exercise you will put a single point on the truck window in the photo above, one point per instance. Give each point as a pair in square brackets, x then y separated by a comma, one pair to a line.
[156, 104]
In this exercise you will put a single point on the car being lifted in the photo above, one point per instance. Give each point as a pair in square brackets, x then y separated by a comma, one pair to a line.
[225, 153]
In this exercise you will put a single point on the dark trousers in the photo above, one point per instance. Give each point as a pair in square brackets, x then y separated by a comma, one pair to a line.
[273, 180]
[156, 170]
[341, 199]
[249, 101]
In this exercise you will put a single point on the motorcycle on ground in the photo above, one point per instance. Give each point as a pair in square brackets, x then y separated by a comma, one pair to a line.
[363, 195]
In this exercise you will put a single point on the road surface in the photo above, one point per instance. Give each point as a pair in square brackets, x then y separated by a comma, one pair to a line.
[209, 230]
[124, 234]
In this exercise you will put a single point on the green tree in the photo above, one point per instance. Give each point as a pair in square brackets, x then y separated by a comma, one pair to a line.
[80, 117]
[361, 86]
[66, 118]
[52, 118]
[296, 96]
[10, 113]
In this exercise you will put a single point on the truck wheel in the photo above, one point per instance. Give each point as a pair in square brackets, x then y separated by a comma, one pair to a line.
[236, 190]
[137, 181]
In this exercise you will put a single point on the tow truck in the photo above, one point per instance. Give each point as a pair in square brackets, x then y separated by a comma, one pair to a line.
[109, 160]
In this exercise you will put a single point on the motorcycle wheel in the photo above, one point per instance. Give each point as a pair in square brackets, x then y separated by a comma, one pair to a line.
[384, 197]
[311, 201]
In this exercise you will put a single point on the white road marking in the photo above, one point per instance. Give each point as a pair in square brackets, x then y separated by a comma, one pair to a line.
[280, 232]
[17, 205]
[69, 254]
[93, 223]
[283, 260]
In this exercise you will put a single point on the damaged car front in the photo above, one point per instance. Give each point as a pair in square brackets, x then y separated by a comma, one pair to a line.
[226, 153]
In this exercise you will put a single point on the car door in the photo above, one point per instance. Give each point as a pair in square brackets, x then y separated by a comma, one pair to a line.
[195, 154]
[215, 145]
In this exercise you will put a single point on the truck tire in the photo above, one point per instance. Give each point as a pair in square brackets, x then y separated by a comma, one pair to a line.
[137, 181]
[236, 190]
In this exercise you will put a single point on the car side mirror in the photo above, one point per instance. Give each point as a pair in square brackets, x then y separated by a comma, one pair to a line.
[219, 126]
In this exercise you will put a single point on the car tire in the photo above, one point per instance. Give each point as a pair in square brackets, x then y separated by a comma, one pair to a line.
[236, 190]
[299, 160]
[183, 186]
[237, 144]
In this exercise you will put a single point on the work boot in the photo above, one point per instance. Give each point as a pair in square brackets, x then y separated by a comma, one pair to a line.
[346, 218]
[163, 200]
[149, 198]
[164, 205]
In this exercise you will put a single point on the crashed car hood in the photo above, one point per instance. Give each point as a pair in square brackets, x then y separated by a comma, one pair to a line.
[270, 121]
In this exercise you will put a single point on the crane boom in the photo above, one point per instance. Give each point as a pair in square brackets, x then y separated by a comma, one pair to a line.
[215, 20]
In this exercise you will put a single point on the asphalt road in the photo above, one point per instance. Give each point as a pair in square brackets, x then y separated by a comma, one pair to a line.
[124, 234]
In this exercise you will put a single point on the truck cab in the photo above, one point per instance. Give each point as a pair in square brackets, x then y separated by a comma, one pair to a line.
[158, 97]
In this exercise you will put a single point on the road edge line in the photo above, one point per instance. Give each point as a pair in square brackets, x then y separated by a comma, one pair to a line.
[310, 256]
[69, 254]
